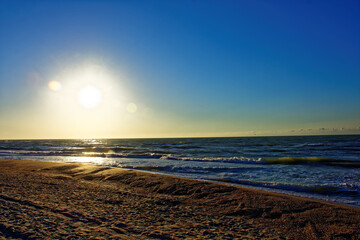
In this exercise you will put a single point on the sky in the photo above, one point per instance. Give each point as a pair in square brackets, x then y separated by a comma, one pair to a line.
[204, 68]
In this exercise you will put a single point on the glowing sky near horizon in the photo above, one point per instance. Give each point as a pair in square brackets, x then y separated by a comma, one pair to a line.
[89, 69]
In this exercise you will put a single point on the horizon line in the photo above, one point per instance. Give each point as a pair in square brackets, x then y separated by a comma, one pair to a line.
[179, 137]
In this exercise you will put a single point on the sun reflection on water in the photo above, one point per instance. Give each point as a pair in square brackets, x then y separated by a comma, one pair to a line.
[92, 160]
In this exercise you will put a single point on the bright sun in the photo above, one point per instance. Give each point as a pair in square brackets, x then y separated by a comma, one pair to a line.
[89, 97]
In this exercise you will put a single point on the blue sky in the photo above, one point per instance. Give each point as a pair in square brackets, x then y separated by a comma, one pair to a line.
[193, 68]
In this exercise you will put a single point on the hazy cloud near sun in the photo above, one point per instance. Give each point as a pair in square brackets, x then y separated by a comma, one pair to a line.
[304, 131]
[327, 130]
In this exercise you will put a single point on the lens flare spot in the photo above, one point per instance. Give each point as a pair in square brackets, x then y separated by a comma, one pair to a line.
[55, 86]
[89, 97]
[131, 108]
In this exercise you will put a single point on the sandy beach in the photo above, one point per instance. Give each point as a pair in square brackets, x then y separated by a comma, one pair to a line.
[44, 200]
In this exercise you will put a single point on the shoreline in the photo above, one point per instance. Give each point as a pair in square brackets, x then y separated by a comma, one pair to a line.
[244, 186]
[71, 199]
[303, 194]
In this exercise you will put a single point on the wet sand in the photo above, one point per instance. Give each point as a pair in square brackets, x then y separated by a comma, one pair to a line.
[76, 201]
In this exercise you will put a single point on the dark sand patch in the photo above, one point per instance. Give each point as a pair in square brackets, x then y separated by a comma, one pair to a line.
[70, 201]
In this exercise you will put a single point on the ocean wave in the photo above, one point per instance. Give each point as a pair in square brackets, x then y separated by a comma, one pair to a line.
[158, 155]
[189, 169]
[317, 189]
[313, 160]
[310, 145]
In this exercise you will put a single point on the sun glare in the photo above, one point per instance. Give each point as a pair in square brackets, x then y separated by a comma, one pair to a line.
[85, 95]
[55, 86]
[89, 97]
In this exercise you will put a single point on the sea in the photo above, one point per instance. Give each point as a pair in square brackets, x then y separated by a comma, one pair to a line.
[319, 167]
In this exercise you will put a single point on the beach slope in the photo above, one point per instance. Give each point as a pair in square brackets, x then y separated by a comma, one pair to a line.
[77, 201]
